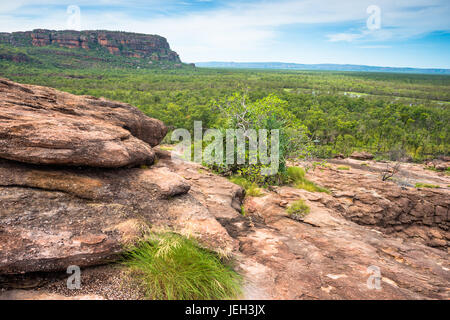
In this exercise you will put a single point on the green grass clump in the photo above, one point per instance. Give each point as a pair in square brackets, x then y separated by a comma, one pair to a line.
[297, 177]
[426, 185]
[343, 168]
[298, 210]
[172, 267]
[243, 212]
[251, 188]
[296, 173]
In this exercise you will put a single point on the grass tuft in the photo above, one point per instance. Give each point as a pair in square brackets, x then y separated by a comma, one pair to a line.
[251, 188]
[298, 210]
[297, 176]
[172, 267]
[243, 212]
[426, 185]
[343, 168]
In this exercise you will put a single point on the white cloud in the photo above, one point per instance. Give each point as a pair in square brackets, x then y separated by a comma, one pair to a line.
[375, 47]
[347, 37]
[243, 31]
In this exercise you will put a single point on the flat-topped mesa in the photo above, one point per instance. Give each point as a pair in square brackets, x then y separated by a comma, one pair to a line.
[41, 125]
[118, 43]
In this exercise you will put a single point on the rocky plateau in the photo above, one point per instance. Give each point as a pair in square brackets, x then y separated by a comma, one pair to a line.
[81, 178]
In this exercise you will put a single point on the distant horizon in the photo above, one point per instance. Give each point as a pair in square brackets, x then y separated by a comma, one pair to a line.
[318, 64]
[252, 62]
[401, 34]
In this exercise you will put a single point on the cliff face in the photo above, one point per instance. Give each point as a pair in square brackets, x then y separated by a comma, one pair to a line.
[119, 43]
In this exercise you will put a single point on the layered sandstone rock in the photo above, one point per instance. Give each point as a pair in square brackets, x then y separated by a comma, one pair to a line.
[325, 256]
[41, 125]
[394, 207]
[118, 43]
[52, 218]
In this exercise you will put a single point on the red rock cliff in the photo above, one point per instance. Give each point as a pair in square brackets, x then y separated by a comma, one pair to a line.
[118, 43]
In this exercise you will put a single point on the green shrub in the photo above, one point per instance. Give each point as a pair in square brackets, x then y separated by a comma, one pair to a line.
[268, 113]
[296, 176]
[172, 267]
[298, 210]
[343, 168]
[426, 185]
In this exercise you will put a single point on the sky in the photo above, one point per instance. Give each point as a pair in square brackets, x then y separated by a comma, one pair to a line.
[396, 33]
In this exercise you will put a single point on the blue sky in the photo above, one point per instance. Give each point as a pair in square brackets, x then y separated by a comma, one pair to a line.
[399, 33]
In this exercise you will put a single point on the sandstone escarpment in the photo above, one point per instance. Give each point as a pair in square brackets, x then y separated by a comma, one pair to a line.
[118, 43]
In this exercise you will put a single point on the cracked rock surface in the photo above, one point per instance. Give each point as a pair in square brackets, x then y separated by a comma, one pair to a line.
[41, 125]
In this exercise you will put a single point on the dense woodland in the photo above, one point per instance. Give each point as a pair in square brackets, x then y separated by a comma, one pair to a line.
[390, 115]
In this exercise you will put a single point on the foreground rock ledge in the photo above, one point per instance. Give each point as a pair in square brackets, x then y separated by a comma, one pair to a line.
[50, 219]
[41, 125]
[326, 256]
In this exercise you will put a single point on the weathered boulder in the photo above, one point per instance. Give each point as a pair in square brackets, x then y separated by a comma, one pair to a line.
[439, 164]
[41, 125]
[363, 155]
[339, 156]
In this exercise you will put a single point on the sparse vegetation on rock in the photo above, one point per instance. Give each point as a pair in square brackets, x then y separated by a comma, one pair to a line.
[171, 267]
[296, 176]
[251, 188]
[427, 185]
[298, 210]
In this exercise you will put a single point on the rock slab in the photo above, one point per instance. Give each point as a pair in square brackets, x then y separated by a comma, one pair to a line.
[40, 125]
